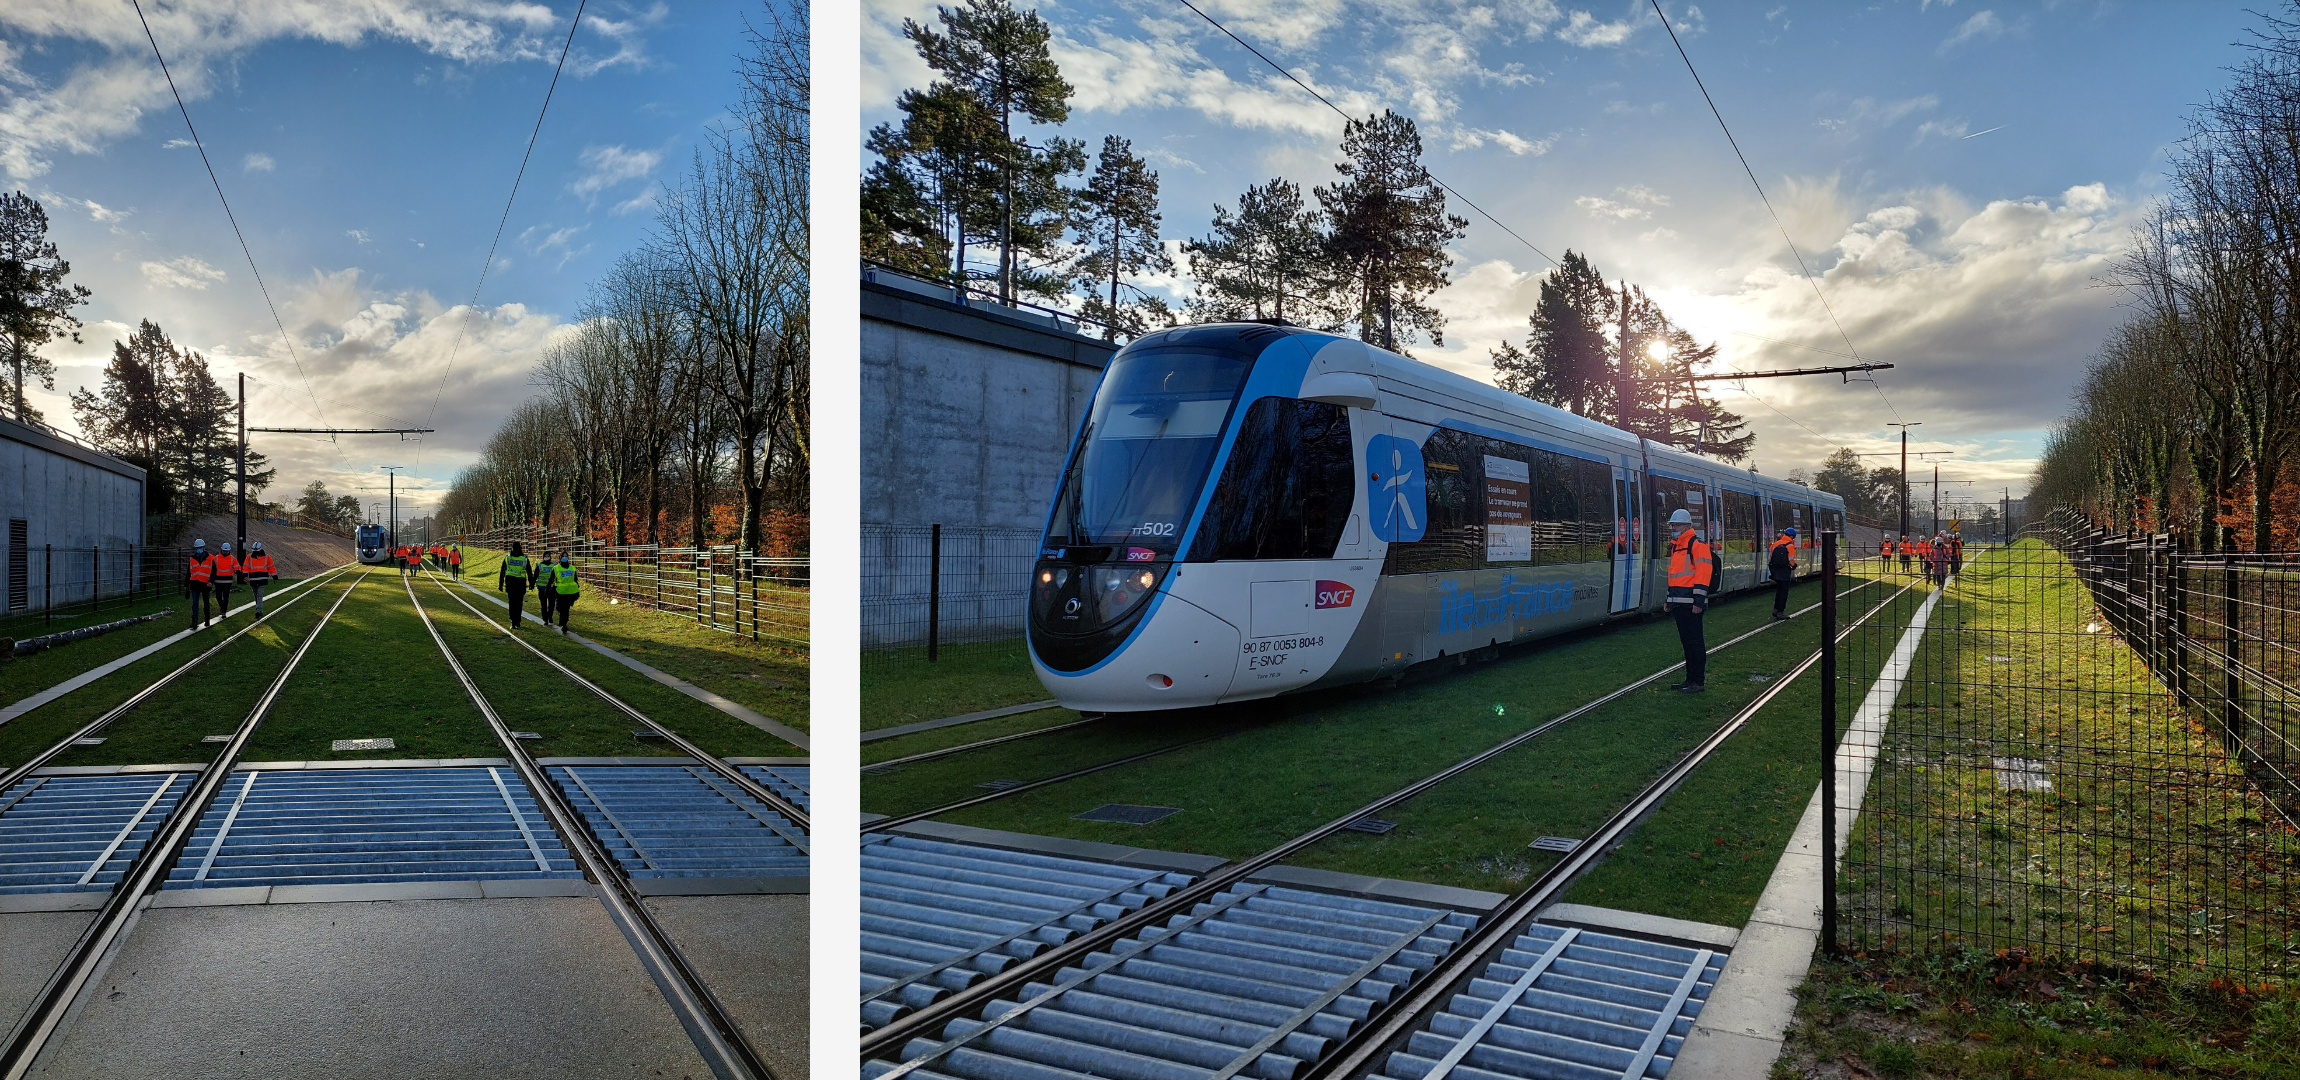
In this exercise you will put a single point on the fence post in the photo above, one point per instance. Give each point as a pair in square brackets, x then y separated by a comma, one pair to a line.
[2231, 709]
[1829, 743]
[934, 593]
[2179, 616]
[47, 584]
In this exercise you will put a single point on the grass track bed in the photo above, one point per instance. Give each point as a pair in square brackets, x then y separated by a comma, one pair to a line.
[901, 686]
[1321, 755]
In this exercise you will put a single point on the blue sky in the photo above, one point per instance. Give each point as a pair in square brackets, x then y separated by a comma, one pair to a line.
[1973, 263]
[367, 150]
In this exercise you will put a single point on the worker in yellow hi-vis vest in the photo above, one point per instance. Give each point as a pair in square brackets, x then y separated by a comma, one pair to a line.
[513, 578]
[567, 586]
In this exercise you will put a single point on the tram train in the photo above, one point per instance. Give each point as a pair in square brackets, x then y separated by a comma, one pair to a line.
[1251, 510]
[374, 545]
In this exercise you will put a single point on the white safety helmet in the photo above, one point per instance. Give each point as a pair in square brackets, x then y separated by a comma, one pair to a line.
[1681, 518]
[227, 545]
[256, 546]
[197, 544]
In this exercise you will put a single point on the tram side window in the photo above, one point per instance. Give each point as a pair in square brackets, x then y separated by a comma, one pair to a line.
[1669, 496]
[1741, 522]
[1577, 521]
[1287, 490]
[1454, 465]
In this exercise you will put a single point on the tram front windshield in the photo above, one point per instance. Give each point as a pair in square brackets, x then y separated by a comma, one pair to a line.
[1143, 458]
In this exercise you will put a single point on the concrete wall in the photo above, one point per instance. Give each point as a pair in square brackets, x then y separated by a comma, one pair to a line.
[967, 416]
[73, 499]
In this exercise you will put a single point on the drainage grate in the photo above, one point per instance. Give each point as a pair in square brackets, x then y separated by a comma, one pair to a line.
[215, 738]
[370, 826]
[789, 781]
[1563, 845]
[1565, 1004]
[1126, 814]
[363, 744]
[77, 833]
[91, 741]
[938, 916]
[682, 821]
[1260, 981]
[2021, 774]
[1373, 825]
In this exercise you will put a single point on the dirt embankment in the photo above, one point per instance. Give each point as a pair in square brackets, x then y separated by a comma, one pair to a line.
[297, 552]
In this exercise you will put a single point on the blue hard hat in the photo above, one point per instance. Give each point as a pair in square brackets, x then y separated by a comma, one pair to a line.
[1791, 530]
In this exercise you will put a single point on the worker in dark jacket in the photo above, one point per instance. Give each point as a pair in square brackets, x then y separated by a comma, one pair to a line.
[1692, 574]
[1781, 569]
[513, 578]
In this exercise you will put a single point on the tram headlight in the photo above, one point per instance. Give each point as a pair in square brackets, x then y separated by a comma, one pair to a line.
[1114, 590]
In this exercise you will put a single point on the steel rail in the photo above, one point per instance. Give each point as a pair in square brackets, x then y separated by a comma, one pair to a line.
[881, 824]
[1499, 930]
[733, 775]
[716, 1035]
[11, 777]
[930, 755]
[888, 1040]
[146, 872]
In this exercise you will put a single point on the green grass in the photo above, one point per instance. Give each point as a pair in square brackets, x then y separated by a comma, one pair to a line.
[900, 686]
[1972, 1013]
[530, 695]
[1295, 762]
[21, 677]
[939, 738]
[765, 676]
[1708, 852]
[27, 735]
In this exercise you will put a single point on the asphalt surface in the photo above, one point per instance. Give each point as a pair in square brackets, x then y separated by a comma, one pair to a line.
[542, 987]
[752, 952]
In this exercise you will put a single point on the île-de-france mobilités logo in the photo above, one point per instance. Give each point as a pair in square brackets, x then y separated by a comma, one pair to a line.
[1397, 494]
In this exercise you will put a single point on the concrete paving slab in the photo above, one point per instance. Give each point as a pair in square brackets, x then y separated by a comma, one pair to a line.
[481, 988]
[78, 901]
[381, 891]
[1756, 994]
[1055, 845]
[721, 886]
[31, 945]
[1473, 901]
[238, 894]
[876, 734]
[752, 952]
[1692, 935]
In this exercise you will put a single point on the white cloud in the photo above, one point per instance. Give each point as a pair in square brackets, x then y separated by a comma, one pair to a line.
[1658, 233]
[1869, 114]
[1468, 138]
[1583, 29]
[542, 240]
[257, 162]
[358, 235]
[106, 94]
[1983, 26]
[176, 144]
[1607, 210]
[606, 166]
[1639, 193]
[184, 272]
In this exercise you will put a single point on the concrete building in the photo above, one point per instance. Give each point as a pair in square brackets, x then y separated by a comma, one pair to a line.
[75, 519]
[968, 409]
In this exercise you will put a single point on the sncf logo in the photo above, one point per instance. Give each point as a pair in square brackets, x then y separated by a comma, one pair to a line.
[1135, 554]
[1333, 594]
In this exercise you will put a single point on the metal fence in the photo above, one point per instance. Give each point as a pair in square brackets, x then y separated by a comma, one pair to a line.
[760, 597]
[47, 583]
[2081, 747]
[931, 590]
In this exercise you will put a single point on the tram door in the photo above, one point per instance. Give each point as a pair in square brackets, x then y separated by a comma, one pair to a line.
[1628, 542]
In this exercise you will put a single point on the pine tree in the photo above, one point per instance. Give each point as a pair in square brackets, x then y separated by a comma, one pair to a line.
[130, 415]
[1265, 262]
[999, 57]
[1564, 362]
[1390, 230]
[1117, 224]
[35, 304]
[932, 193]
[160, 404]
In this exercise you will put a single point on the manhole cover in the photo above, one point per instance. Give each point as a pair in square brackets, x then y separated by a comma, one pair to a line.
[1563, 845]
[363, 744]
[2021, 774]
[1128, 815]
[526, 734]
[88, 742]
[1755, 677]
[215, 738]
[1372, 825]
[2000, 659]
[999, 785]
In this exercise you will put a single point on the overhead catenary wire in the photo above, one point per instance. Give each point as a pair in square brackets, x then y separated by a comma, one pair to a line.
[285, 337]
[1280, 69]
[484, 267]
[1761, 197]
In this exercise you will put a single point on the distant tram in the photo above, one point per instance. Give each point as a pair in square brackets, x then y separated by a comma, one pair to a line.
[374, 548]
[1254, 510]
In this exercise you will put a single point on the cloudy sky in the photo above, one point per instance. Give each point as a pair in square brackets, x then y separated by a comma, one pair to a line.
[367, 149]
[1958, 173]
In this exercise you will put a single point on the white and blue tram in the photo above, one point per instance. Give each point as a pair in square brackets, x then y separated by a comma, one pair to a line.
[1251, 510]
[374, 545]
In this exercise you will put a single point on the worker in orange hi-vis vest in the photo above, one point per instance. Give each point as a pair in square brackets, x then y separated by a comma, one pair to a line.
[1905, 551]
[227, 574]
[197, 578]
[1692, 573]
[257, 571]
[1781, 569]
[455, 560]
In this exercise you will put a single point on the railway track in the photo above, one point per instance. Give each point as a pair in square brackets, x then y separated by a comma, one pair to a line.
[716, 1036]
[896, 821]
[41, 1022]
[918, 1036]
